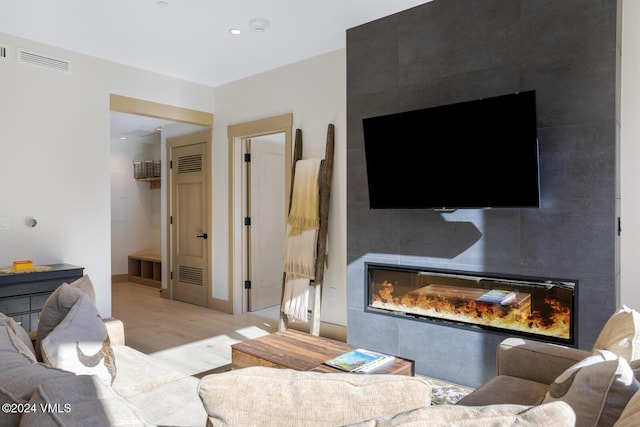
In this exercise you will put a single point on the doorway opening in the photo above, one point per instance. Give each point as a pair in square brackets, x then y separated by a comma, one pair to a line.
[264, 213]
[178, 121]
[245, 294]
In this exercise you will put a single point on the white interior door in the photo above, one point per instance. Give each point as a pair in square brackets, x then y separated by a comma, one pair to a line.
[266, 208]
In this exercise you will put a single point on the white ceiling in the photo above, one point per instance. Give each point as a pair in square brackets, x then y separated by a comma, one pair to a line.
[190, 39]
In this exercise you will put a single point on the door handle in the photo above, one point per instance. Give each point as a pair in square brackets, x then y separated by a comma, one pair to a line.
[202, 236]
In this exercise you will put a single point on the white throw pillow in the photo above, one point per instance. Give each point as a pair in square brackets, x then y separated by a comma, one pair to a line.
[597, 388]
[621, 334]
[80, 343]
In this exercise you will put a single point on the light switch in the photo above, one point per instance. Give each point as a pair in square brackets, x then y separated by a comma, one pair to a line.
[5, 223]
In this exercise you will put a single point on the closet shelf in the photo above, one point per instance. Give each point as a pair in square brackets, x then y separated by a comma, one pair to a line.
[154, 182]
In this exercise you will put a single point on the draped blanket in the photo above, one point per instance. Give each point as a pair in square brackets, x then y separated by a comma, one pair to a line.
[301, 241]
[305, 199]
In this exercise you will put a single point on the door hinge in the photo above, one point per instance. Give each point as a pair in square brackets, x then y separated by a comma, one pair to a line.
[247, 284]
[619, 226]
[170, 164]
[247, 157]
[247, 220]
[171, 220]
[171, 275]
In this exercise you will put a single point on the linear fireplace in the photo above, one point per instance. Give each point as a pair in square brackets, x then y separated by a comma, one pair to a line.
[538, 308]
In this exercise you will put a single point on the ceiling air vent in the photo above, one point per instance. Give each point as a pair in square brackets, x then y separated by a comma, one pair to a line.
[44, 61]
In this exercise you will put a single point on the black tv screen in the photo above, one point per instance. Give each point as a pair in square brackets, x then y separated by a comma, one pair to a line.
[469, 155]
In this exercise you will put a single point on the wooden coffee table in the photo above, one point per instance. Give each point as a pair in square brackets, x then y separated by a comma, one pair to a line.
[303, 352]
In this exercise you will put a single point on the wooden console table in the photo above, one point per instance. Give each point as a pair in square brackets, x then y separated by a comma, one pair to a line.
[303, 352]
[23, 294]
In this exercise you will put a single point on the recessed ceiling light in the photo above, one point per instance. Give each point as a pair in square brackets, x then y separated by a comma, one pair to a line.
[235, 32]
[163, 3]
[123, 137]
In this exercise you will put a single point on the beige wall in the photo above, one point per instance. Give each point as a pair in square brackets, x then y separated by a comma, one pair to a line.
[313, 90]
[55, 157]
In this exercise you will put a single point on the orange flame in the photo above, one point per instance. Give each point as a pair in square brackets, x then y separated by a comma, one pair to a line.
[512, 317]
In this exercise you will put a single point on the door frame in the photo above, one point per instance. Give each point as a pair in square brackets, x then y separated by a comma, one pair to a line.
[125, 104]
[236, 134]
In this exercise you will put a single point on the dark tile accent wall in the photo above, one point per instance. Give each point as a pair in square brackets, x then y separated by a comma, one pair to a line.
[449, 51]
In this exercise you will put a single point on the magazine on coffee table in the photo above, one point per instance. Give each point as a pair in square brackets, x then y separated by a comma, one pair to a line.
[360, 360]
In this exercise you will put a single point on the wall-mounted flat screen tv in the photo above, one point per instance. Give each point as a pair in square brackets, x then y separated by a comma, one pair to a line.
[470, 155]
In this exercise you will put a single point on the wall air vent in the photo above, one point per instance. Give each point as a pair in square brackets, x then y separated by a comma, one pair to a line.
[43, 61]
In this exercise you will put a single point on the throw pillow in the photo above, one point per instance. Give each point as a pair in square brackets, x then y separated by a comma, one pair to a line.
[85, 285]
[10, 342]
[19, 332]
[313, 398]
[80, 400]
[555, 414]
[55, 309]
[630, 417]
[621, 334]
[597, 388]
[80, 343]
[19, 376]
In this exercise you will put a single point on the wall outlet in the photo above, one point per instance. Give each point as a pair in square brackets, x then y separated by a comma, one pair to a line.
[5, 223]
[332, 292]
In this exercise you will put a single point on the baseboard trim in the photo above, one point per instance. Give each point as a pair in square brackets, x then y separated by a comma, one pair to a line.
[119, 278]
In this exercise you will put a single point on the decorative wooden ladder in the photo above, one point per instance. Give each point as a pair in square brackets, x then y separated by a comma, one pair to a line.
[326, 176]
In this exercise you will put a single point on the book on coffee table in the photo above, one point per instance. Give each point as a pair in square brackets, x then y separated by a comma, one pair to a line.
[360, 360]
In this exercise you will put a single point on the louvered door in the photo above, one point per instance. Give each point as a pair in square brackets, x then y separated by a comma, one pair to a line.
[189, 231]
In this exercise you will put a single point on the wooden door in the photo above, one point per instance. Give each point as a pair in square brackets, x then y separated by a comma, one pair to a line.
[266, 207]
[189, 219]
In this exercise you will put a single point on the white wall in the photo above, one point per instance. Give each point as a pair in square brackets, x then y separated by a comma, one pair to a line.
[135, 210]
[313, 90]
[55, 155]
[630, 155]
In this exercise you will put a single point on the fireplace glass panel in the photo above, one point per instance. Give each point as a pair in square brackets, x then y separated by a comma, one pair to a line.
[533, 307]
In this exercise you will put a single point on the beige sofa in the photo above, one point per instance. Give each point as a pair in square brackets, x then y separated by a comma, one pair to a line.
[76, 383]
[538, 384]
[600, 385]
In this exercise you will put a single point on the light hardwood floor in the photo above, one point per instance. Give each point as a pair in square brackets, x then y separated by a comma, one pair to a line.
[153, 323]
